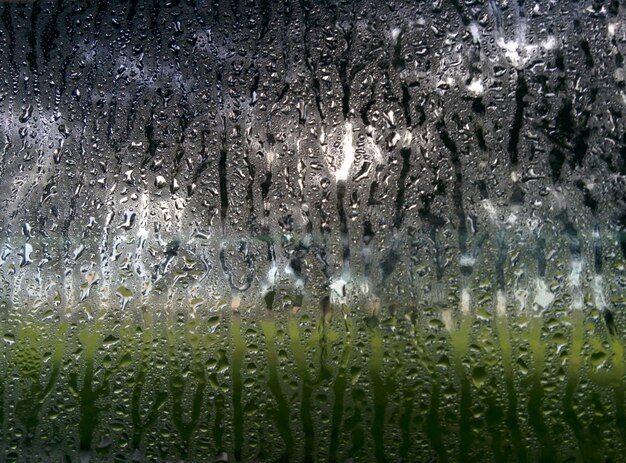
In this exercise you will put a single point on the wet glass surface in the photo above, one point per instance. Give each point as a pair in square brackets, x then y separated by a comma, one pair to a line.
[412, 386]
[245, 230]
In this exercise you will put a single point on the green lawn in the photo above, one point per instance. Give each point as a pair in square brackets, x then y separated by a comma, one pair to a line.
[161, 384]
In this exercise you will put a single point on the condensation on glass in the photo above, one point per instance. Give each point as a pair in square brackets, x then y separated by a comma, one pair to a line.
[312, 230]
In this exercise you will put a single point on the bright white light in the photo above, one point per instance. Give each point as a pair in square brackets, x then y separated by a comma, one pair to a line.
[348, 154]
[465, 301]
[543, 296]
[550, 43]
[476, 87]
[500, 303]
[475, 32]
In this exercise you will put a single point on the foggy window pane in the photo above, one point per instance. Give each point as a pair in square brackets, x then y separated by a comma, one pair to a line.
[254, 230]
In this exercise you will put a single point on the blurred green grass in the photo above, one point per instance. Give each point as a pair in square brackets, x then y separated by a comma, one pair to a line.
[172, 384]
